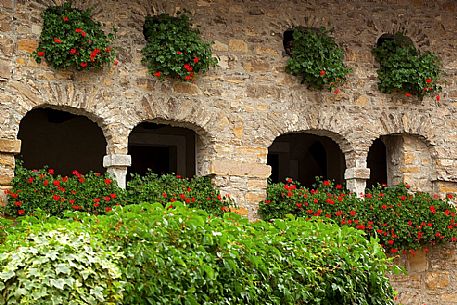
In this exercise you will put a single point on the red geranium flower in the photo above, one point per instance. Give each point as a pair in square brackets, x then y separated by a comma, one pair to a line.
[108, 181]
[196, 59]
[83, 64]
[157, 74]
[21, 212]
[41, 53]
[407, 94]
[73, 51]
[322, 72]
[57, 40]
[428, 80]
[108, 209]
[65, 18]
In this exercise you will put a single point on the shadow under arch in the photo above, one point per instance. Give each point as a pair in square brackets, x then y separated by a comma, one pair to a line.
[304, 155]
[62, 138]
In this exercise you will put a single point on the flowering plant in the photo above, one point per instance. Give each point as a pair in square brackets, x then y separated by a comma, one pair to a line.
[71, 39]
[404, 69]
[55, 194]
[402, 221]
[168, 189]
[174, 48]
[316, 58]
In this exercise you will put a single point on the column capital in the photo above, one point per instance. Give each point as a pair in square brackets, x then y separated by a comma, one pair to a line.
[117, 160]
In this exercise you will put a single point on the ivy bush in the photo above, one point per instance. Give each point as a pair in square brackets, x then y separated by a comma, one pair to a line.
[197, 192]
[317, 59]
[403, 221]
[404, 69]
[71, 39]
[174, 48]
[55, 194]
[59, 267]
[185, 256]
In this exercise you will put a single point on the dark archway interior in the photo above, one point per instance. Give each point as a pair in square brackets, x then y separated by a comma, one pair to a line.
[162, 149]
[287, 41]
[377, 163]
[303, 157]
[61, 140]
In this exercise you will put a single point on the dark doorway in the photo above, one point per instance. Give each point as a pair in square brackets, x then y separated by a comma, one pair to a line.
[377, 163]
[303, 157]
[162, 149]
[61, 140]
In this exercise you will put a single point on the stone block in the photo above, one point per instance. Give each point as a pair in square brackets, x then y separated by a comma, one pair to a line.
[240, 211]
[257, 184]
[357, 173]
[362, 100]
[117, 160]
[236, 168]
[27, 45]
[10, 146]
[255, 197]
[447, 187]
[6, 46]
[8, 4]
[219, 46]
[256, 65]
[186, 88]
[7, 160]
[6, 180]
[266, 51]
[5, 69]
[236, 45]
[238, 132]
[437, 280]
[417, 262]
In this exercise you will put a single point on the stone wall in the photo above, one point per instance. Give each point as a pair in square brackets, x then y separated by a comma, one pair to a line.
[239, 108]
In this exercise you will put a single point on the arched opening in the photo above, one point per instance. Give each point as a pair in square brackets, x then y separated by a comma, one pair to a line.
[61, 140]
[377, 163]
[303, 157]
[162, 149]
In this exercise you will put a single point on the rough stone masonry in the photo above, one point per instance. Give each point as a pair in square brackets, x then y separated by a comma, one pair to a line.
[239, 108]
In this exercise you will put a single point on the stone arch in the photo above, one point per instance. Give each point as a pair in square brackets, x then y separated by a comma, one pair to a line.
[63, 96]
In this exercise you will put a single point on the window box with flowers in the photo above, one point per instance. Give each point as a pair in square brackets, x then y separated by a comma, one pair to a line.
[316, 57]
[174, 49]
[71, 39]
[404, 69]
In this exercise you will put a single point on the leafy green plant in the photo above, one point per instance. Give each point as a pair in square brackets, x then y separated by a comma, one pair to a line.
[59, 267]
[316, 58]
[71, 39]
[174, 48]
[404, 69]
[185, 256]
[403, 221]
[197, 192]
[54, 194]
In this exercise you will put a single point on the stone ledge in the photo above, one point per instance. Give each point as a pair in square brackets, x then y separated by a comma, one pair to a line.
[117, 160]
[5, 180]
[11, 146]
[236, 168]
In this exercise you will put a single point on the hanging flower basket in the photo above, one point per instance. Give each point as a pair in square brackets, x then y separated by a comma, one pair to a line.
[404, 69]
[71, 39]
[316, 57]
[174, 48]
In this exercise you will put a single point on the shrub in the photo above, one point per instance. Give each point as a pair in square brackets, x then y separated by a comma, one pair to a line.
[404, 69]
[174, 48]
[197, 192]
[59, 267]
[184, 256]
[401, 220]
[54, 194]
[71, 39]
[317, 58]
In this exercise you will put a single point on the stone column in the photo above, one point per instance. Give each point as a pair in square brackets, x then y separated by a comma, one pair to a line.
[357, 176]
[116, 165]
[8, 148]
[246, 182]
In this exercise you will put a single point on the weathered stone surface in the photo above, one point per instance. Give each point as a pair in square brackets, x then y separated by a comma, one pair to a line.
[186, 88]
[27, 45]
[230, 167]
[437, 280]
[10, 146]
[6, 180]
[417, 262]
[236, 45]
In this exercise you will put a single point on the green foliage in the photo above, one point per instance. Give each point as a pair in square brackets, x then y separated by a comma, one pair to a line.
[197, 192]
[71, 39]
[174, 48]
[317, 59]
[401, 220]
[59, 267]
[54, 194]
[404, 69]
[184, 256]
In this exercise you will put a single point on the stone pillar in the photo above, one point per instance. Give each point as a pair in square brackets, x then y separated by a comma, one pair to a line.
[246, 182]
[356, 179]
[116, 165]
[8, 148]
